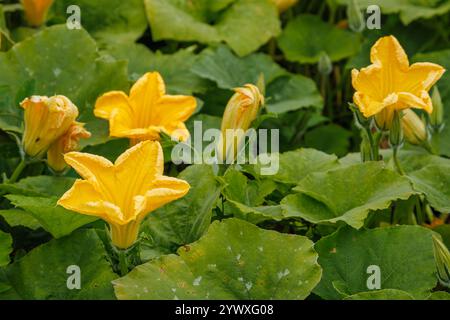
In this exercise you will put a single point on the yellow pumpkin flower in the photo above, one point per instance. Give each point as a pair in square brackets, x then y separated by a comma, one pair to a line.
[390, 83]
[46, 119]
[283, 5]
[147, 111]
[240, 112]
[123, 193]
[66, 143]
[36, 11]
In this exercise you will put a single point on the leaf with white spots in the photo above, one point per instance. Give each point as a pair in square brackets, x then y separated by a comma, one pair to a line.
[234, 260]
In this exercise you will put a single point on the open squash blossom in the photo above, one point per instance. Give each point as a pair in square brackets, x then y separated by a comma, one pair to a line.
[36, 11]
[123, 193]
[147, 111]
[66, 143]
[239, 114]
[46, 120]
[414, 129]
[390, 83]
[283, 5]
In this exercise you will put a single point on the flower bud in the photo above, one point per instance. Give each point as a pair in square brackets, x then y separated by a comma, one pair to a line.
[239, 114]
[413, 127]
[36, 11]
[383, 119]
[355, 17]
[68, 142]
[437, 116]
[46, 119]
[325, 65]
[283, 5]
[396, 132]
[442, 258]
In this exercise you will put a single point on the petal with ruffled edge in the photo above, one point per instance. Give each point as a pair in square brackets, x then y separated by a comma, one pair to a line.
[85, 199]
[95, 169]
[109, 102]
[163, 191]
[421, 77]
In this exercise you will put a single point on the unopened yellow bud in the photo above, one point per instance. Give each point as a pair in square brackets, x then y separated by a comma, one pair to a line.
[66, 143]
[283, 5]
[36, 11]
[46, 119]
[414, 129]
[239, 114]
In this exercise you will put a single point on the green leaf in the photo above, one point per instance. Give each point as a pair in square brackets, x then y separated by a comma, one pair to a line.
[385, 294]
[245, 197]
[42, 273]
[229, 71]
[439, 295]
[5, 248]
[434, 182]
[187, 219]
[58, 61]
[409, 10]
[298, 44]
[121, 21]
[404, 255]
[55, 219]
[245, 25]
[174, 68]
[16, 217]
[291, 93]
[332, 139]
[346, 194]
[39, 186]
[295, 165]
[234, 260]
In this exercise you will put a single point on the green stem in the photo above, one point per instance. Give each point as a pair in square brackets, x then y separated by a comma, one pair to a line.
[396, 161]
[123, 262]
[15, 175]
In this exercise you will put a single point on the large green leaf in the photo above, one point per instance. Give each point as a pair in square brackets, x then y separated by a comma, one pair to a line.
[244, 25]
[245, 197]
[434, 182]
[404, 255]
[346, 194]
[55, 219]
[330, 138]
[439, 295]
[5, 248]
[229, 71]
[384, 294]
[291, 93]
[234, 260]
[174, 68]
[298, 44]
[409, 10]
[58, 61]
[107, 20]
[17, 217]
[39, 186]
[42, 273]
[185, 220]
[295, 165]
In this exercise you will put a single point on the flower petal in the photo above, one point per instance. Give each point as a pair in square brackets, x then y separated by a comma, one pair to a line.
[85, 199]
[388, 52]
[135, 170]
[95, 169]
[144, 94]
[110, 101]
[421, 76]
[175, 108]
[408, 100]
[368, 80]
[163, 191]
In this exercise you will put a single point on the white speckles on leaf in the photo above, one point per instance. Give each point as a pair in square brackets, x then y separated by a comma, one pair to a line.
[197, 281]
[283, 274]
